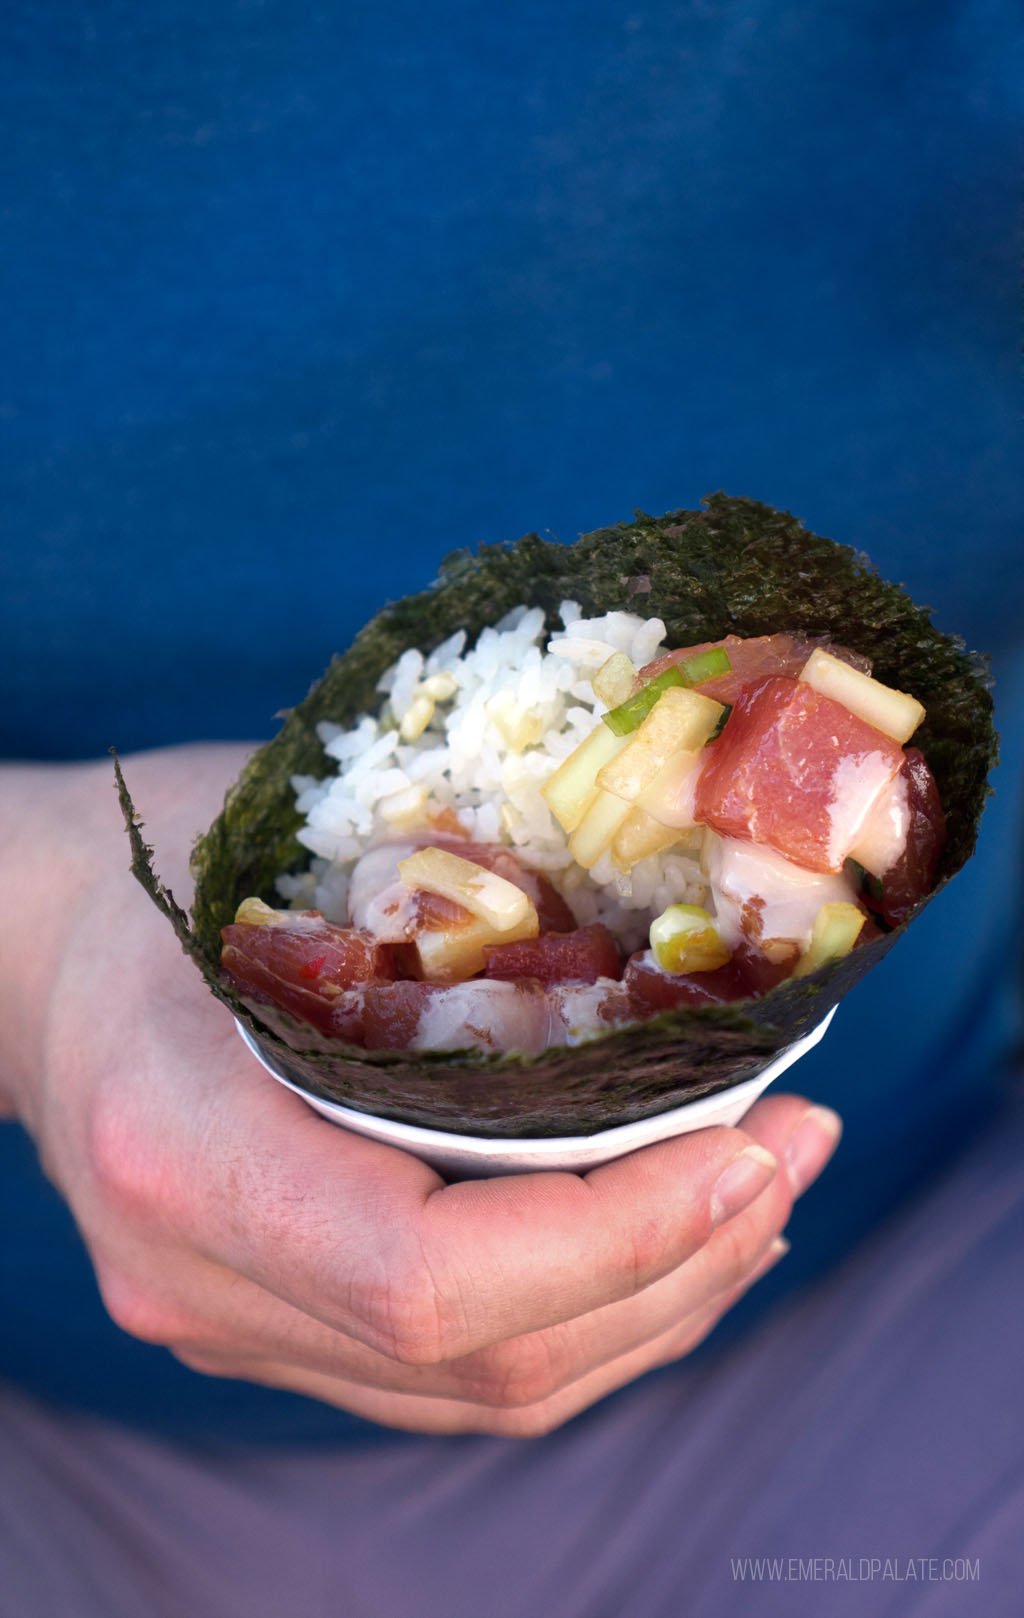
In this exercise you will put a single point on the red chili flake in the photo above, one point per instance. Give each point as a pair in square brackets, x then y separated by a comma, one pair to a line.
[313, 968]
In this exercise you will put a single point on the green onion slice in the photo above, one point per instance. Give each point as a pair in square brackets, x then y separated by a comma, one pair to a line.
[624, 719]
[723, 719]
[867, 884]
[706, 665]
[629, 714]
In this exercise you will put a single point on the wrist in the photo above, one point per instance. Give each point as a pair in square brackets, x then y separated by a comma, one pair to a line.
[65, 879]
[47, 868]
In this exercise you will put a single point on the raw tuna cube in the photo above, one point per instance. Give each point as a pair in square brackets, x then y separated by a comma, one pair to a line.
[305, 965]
[652, 989]
[581, 956]
[797, 771]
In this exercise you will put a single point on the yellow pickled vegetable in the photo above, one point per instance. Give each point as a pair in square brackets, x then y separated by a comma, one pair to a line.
[684, 938]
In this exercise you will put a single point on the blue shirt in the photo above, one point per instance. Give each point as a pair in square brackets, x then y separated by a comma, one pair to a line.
[306, 297]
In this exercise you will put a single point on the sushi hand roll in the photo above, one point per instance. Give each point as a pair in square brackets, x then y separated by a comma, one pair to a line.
[583, 833]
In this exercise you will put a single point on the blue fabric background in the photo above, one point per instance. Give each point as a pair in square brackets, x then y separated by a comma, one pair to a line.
[301, 298]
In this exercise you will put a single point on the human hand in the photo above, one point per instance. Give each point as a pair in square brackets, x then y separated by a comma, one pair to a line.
[231, 1224]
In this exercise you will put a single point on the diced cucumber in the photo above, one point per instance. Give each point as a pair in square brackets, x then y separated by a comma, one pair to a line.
[670, 796]
[254, 913]
[615, 681]
[680, 722]
[450, 955]
[597, 828]
[638, 837]
[573, 787]
[483, 893]
[684, 938]
[836, 929]
[894, 713]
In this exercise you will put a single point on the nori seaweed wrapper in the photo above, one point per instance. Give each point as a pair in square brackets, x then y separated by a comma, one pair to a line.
[735, 567]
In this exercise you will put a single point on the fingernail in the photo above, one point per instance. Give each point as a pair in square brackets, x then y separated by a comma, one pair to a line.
[811, 1145]
[738, 1185]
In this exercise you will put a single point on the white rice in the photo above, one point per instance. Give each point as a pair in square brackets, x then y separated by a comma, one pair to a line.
[478, 732]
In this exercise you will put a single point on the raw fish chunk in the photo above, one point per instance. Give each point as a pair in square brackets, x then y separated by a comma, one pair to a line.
[797, 771]
[581, 956]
